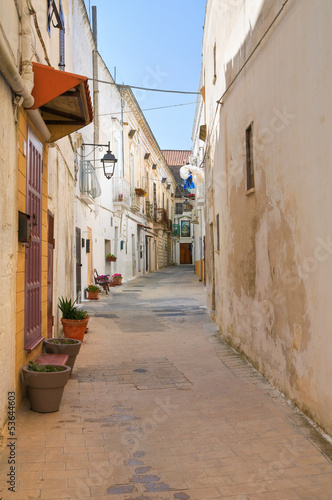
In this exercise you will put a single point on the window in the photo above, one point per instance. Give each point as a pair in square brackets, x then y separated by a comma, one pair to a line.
[218, 232]
[214, 63]
[250, 158]
[179, 208]
[55, 18]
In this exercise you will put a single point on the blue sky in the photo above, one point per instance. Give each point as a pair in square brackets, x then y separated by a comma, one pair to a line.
[155, 44]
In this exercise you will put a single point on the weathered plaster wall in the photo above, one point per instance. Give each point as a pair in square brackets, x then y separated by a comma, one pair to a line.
[8, 245]
[273, 272]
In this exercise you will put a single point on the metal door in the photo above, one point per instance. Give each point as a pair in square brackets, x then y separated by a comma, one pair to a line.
[78, 261]
[33, 321]
[50, 250]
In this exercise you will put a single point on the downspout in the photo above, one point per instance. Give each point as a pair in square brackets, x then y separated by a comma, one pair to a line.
[22, 85]
[95, 77]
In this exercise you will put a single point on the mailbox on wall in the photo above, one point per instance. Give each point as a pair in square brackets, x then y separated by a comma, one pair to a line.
[24, 228]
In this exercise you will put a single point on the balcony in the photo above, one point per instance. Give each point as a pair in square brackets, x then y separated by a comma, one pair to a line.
[160, 216]
[200, 194]
[88, 183]
[121, 192]
[187, 206]
[149, 211]
[135, 201]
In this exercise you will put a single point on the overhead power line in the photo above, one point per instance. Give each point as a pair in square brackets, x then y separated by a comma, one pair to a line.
[145, 88]
[150, 109]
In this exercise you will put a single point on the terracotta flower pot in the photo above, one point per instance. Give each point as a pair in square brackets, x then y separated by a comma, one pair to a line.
[45, 389]
[117, 281]
[111, 259]
[54, 346]
[74, 328]
[93, 295]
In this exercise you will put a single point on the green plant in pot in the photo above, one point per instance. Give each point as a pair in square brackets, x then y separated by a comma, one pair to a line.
[45, 384]
[64, 346]
[93, 291]
[74, 320]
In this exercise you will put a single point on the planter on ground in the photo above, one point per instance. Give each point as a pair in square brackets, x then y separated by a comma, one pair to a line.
[74, 320]
[45, 389]
[74, 328]
[63, 346]
[93, 295]
[117, 279]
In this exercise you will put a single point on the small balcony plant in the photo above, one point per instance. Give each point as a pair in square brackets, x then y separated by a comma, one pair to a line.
[140, 192]
[110, 257]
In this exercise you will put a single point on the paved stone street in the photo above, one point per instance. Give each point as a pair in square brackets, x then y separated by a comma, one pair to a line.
[158, 407]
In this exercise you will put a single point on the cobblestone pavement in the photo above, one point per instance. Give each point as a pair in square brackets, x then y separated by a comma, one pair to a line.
[158, 407]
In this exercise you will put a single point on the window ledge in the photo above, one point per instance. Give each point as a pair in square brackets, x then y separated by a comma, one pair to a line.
[34, 344]
[250, 191]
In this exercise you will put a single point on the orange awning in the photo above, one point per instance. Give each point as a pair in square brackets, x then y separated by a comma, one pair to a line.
[63, 100]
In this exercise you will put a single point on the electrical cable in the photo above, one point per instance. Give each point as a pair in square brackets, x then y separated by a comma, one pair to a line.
[254, 50]
[150, 109]
[145, 88]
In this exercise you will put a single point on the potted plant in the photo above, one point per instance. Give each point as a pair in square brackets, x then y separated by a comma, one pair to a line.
[74, 320]
[45, 384]
[93, 291]
[64, 346]
[110, 257]
[140, 192]
[117, 279]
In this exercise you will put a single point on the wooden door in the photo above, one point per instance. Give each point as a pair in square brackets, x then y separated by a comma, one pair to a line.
[185, 253]
[32, 309]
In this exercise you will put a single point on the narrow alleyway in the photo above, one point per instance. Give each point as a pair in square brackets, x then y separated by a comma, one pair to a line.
[159, 408]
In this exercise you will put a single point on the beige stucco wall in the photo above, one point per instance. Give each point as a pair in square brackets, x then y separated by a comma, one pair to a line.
[273, 272]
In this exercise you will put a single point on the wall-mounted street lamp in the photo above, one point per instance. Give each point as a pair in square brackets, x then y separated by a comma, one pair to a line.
[108, 159]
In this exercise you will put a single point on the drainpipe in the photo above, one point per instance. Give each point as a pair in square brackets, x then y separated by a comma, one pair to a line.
[22, 84]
